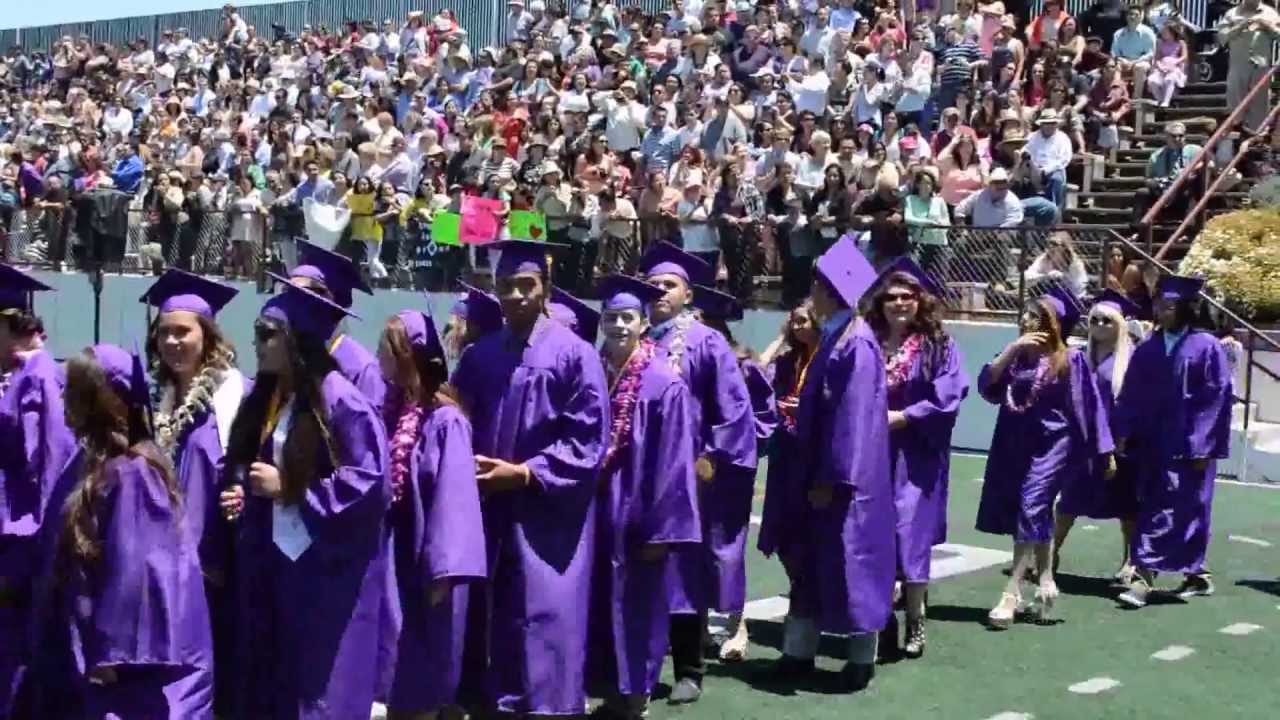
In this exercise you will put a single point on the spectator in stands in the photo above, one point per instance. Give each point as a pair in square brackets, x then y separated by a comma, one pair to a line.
[879, 213]
[927, 217]
[1169, 69]
[961, 169]
[1058, 265]
[1104, 19]
[1049, 150]
[994, 206]
[1249, 31]
[1164, 167]
[1106, 106]
[129, 171]
[1133, 48]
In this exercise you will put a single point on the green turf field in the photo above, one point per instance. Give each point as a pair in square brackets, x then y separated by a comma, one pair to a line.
[971, 672]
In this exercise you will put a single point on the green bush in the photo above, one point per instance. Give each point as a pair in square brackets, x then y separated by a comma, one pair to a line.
[1239, 255]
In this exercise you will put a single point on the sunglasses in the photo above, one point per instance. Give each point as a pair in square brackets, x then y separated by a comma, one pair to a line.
[264, 333]
[900, 297]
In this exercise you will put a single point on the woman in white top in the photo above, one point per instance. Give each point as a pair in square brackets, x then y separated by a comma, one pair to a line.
[1059, 265]
[811, 92]
[810, 174]
[696, 230]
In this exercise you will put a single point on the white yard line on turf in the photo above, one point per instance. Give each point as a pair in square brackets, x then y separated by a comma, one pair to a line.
[1246, 540]
[1012, 715]
[1093, 686]
[756, 520]
[1240, 629]
[1172, 653]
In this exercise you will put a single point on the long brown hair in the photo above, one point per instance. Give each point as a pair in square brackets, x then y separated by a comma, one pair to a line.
[1056, 347]
[928, 320]
[218, 351]
[108, 428]
[425, 373]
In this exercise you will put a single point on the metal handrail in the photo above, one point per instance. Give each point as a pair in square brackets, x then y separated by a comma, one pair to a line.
[1201, 157]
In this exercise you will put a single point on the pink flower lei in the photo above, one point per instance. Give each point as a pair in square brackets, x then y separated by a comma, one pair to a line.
[402, 442]
[1038, 383]
[900, 363]
[625, 394]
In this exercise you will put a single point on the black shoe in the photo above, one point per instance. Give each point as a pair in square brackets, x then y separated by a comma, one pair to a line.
[686, 691]
[792, 667]
[914, 647]
[888, 649]
[857, 677]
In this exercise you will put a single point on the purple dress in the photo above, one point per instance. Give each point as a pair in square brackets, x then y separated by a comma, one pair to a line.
[713, 575]
[920, 453]
[648, 495]
[360, 367]
[36, 448]
[543, 403]
[309, 627]
[1191, 391]
[1093, 495]
[1062, 431]
[848, 565]
[782, 525]
[437, 533]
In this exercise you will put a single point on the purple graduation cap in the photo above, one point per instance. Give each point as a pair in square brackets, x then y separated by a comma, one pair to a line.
[16, 288]
[421, 330]
[846, 269]
[303, 311]
[127, 376]
[574, 314]
[715, 304]
[336, 272]
[667, 259]
[1119, 301]
[1179, 287]
[1065, 306]
[520, 256]
[482, 310]
[623, 292]
[907, 266]
[181, 290]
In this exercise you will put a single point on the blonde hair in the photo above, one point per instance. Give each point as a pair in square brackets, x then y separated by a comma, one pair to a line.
[1122, 351]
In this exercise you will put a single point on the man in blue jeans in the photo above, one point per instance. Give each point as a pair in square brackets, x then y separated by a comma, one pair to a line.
[1049, 150]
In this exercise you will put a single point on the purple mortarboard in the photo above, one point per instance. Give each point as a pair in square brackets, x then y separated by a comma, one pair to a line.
[303, 311]
[906, 265]
[520, 256]
[181, 290]
[126, 374]
[1065, 306]
[421, 331]
[581, 317]
[1179, 287]
[337, 272]
[715, 304]
[16, 288]
[484, 312]
[846, 269]
[1119, 301]
[623, 292]
[667, 259]
[460, 307]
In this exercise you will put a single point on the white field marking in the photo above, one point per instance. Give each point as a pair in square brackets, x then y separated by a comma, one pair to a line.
[1089, 528]
[1172, 653]
[756, 520]
[1245, 539]
[379, 712]
[1012, 715]
[1093, 686]
[1240, 629]
[977, 481]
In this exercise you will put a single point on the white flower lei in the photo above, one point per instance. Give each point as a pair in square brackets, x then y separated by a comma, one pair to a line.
[171, 423]
[676, 352]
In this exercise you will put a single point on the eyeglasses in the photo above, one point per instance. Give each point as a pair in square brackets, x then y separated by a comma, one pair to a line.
[264, 333]
[900, 297]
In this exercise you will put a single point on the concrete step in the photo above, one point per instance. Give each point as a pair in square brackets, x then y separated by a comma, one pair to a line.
[1151, 141]
[1116, 217]
[1126, 169]
[1180, 112]
[1105, 199]
[1116, 183]
[1209, 99]
[1197, 88]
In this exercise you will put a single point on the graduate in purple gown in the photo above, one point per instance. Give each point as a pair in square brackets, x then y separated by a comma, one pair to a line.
[1187, 383]
[474, 315]
[307, 464]
[124, 629]
[846, 584]
[713, 575]
[437, 533]
[1052, 423]
[199, 392]
[574, 314]
[538, 403]
[926, 383]
[36, 446]
[648, 502]
[1093, 495]
[335, 277]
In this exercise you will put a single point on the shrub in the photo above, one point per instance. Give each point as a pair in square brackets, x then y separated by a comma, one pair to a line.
[1239, 255]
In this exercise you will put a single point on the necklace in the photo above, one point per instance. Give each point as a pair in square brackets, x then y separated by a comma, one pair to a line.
[624, 394]
[902, 360]
[1038, 382]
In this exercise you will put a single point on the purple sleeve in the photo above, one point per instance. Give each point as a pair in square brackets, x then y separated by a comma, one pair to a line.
[452, 540]
[934, 415]
[858, 446]
[764, 405]
[1088, 409]
[989, 388]
[1122, 415]
[574, 457]
[727, 417]
[1208, 394]
[356, 493]
[670, 513]
[370, 382]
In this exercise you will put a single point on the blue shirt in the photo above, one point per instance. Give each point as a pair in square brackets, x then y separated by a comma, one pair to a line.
[1171, 339]
[1133, 44]
[658, 147]
[836, 322]
[128, 174]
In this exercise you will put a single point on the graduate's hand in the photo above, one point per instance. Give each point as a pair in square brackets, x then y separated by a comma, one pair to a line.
[653, 553]
[232, 502]
[265, 481]
[820, 496]
[1110, 472]
[438, 590]
[789, 404]
[103, 676]
[897, 419]
[1030, 340]
[495, 475]
[705, 469]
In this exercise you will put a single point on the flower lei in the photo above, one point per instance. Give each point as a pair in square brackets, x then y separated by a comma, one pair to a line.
[402, 442]
[172, 423]
[900, 363]
[676, 351]
[1038, 383]
[625, 394]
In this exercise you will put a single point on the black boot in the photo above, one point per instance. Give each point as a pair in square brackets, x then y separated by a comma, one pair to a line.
[888, 649]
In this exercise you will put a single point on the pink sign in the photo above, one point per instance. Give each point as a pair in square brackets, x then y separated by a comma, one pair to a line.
[479, 220]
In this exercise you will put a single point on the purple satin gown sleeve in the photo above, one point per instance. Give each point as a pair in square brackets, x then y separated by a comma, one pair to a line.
[1089, 410]
[860, 421]
[452, 541]
[1208, 392]
[933, 415]
[764, 406]
[731, 435]
[573, 458]
[356, 494]
[670, 514]
[991, 388]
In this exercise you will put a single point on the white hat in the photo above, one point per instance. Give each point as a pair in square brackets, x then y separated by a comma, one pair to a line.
[999, 175]
[549, 167]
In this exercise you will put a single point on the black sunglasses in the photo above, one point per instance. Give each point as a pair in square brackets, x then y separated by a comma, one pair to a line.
[264, 333]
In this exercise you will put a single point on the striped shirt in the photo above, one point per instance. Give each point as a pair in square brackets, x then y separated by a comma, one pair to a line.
[954, 62]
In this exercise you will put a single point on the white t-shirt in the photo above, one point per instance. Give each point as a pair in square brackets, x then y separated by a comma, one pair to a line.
[697, 236]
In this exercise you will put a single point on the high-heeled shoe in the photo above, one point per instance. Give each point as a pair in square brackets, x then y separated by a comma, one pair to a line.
[1001, 616]
[1046, 596]
[914, 647]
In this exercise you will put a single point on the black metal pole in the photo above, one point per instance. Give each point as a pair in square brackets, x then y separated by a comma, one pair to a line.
[95, 279]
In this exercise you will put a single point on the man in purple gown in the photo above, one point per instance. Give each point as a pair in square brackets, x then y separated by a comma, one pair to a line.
[648, 502]
[846, 584]
[1187, 383]
[36, 446]
[711, 576]
[539, 411]
[335, 277]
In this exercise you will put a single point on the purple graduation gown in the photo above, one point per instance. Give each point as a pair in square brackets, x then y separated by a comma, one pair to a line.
[920, 453]
[35, 449]
[545, 404]
[360, 367]
[846, 580]
[309, 627]
[437, 533]
[764, 406]
[1034, 453]
[1191, 391]
[782, 525]
[648, 495]
[1092, 494]
[713, 575]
